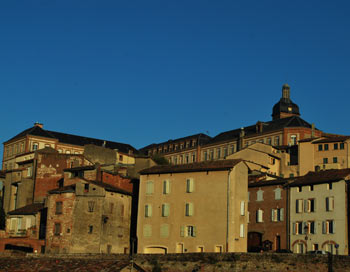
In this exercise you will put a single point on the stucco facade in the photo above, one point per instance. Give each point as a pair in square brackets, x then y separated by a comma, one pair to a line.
[319, 212]
[201, 209]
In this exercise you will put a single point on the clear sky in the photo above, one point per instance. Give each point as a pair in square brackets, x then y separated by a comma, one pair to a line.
[141, 72]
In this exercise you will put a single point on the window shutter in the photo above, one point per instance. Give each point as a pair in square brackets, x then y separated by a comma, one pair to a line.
[242, 208]
[315, 227]
[327, 204]
[333, 226]
[324, 228]
[257, 215]
[305, 205]
[281, 214]
[191, 209]
[332, 203]
[241, 230]
[294, 228]
[304, 225]
[182, 231]
[272, 215]
[314, 204]
[194, 231]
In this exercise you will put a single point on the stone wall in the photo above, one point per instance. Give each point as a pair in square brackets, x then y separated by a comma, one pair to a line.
[204, 262]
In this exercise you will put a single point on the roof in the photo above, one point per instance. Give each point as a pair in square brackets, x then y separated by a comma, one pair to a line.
[293, 121]
[64, 189]
[271, 182]
[192, 167]
[201, 137]
[28, 210]
[332, 139]
[73, 139]
[80, 168]
[323, 176]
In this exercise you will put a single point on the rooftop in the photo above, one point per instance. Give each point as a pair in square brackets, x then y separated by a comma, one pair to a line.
[28, 210]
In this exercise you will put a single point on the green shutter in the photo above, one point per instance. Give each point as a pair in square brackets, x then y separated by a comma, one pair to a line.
[182, 231]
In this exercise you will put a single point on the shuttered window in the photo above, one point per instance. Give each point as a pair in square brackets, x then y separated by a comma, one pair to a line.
[189, 185]
[165, 210]
[149, 187]
[189, 209]
[148, 210]
[166, 187]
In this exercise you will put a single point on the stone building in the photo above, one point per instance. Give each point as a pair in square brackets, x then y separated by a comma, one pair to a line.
[37, 137]
[284, 131]
[319, 212]
[88, 217]
[197, 207]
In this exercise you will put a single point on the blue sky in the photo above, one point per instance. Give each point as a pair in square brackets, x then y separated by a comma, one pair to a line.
[141, 72]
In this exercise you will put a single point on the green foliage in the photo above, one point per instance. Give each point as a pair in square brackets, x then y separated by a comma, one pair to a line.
[160, 160]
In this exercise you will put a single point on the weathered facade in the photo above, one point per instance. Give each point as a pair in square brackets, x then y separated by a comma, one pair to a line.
[198, 207]
[88, 217]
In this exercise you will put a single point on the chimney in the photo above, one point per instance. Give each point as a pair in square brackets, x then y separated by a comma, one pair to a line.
[37, 124]
[312, 130]
[241, 137]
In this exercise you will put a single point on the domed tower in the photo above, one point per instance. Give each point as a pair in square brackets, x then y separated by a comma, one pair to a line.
[285, 107]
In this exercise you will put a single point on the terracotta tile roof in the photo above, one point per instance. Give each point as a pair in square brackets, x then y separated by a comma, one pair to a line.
[332, 139]
[271, 182]
[28, 210]
[109, 187]
[323, 176]
[192, 167]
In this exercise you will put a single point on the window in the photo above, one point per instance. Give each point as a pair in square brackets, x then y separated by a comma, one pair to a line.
[191, 231]
[278, 193]
[298, 228]
[57, 229]
[193, 157]
[86, 185]
[269, 142]
[164, 230]
[259, 216]
[325, 160]
[29, 171]
[241, 230]
[320, 147]
[148, 210]
[205, 155]
[330, 248]
[225, 152]
[90, 229]
[59, 207]
[311, 188]
[311, 227]
[165, 210]
[299, 206]
[330, 186]
[242, 208]
[259, 195]
[232, 149]
[166, 187]
[341, 145]
[149, 187]
[328, 227]
[91, 206]
[189, 209]
[329, 204]
[187, 158]
[212, 154]
[189, 185]
[326, 147]
[277, 215]
[300, 189]
[35, 146]
[293, 139]
[218, 153]
[310, 205]
[277, 140]
[335, 160]
[300, 248]
[147, 230]
[335, 146]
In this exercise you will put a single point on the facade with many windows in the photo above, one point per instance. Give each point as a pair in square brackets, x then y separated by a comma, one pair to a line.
[319, 212]
[197, 207]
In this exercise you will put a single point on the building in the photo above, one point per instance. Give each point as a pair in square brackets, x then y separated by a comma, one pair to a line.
[37, 137]
[25, 229]
[326, 152]
[268, 215]
[88, 217]
[197, 207]
[319, 212]
[284, 131]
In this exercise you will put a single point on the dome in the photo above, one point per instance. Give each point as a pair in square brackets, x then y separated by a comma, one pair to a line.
[285, 107]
